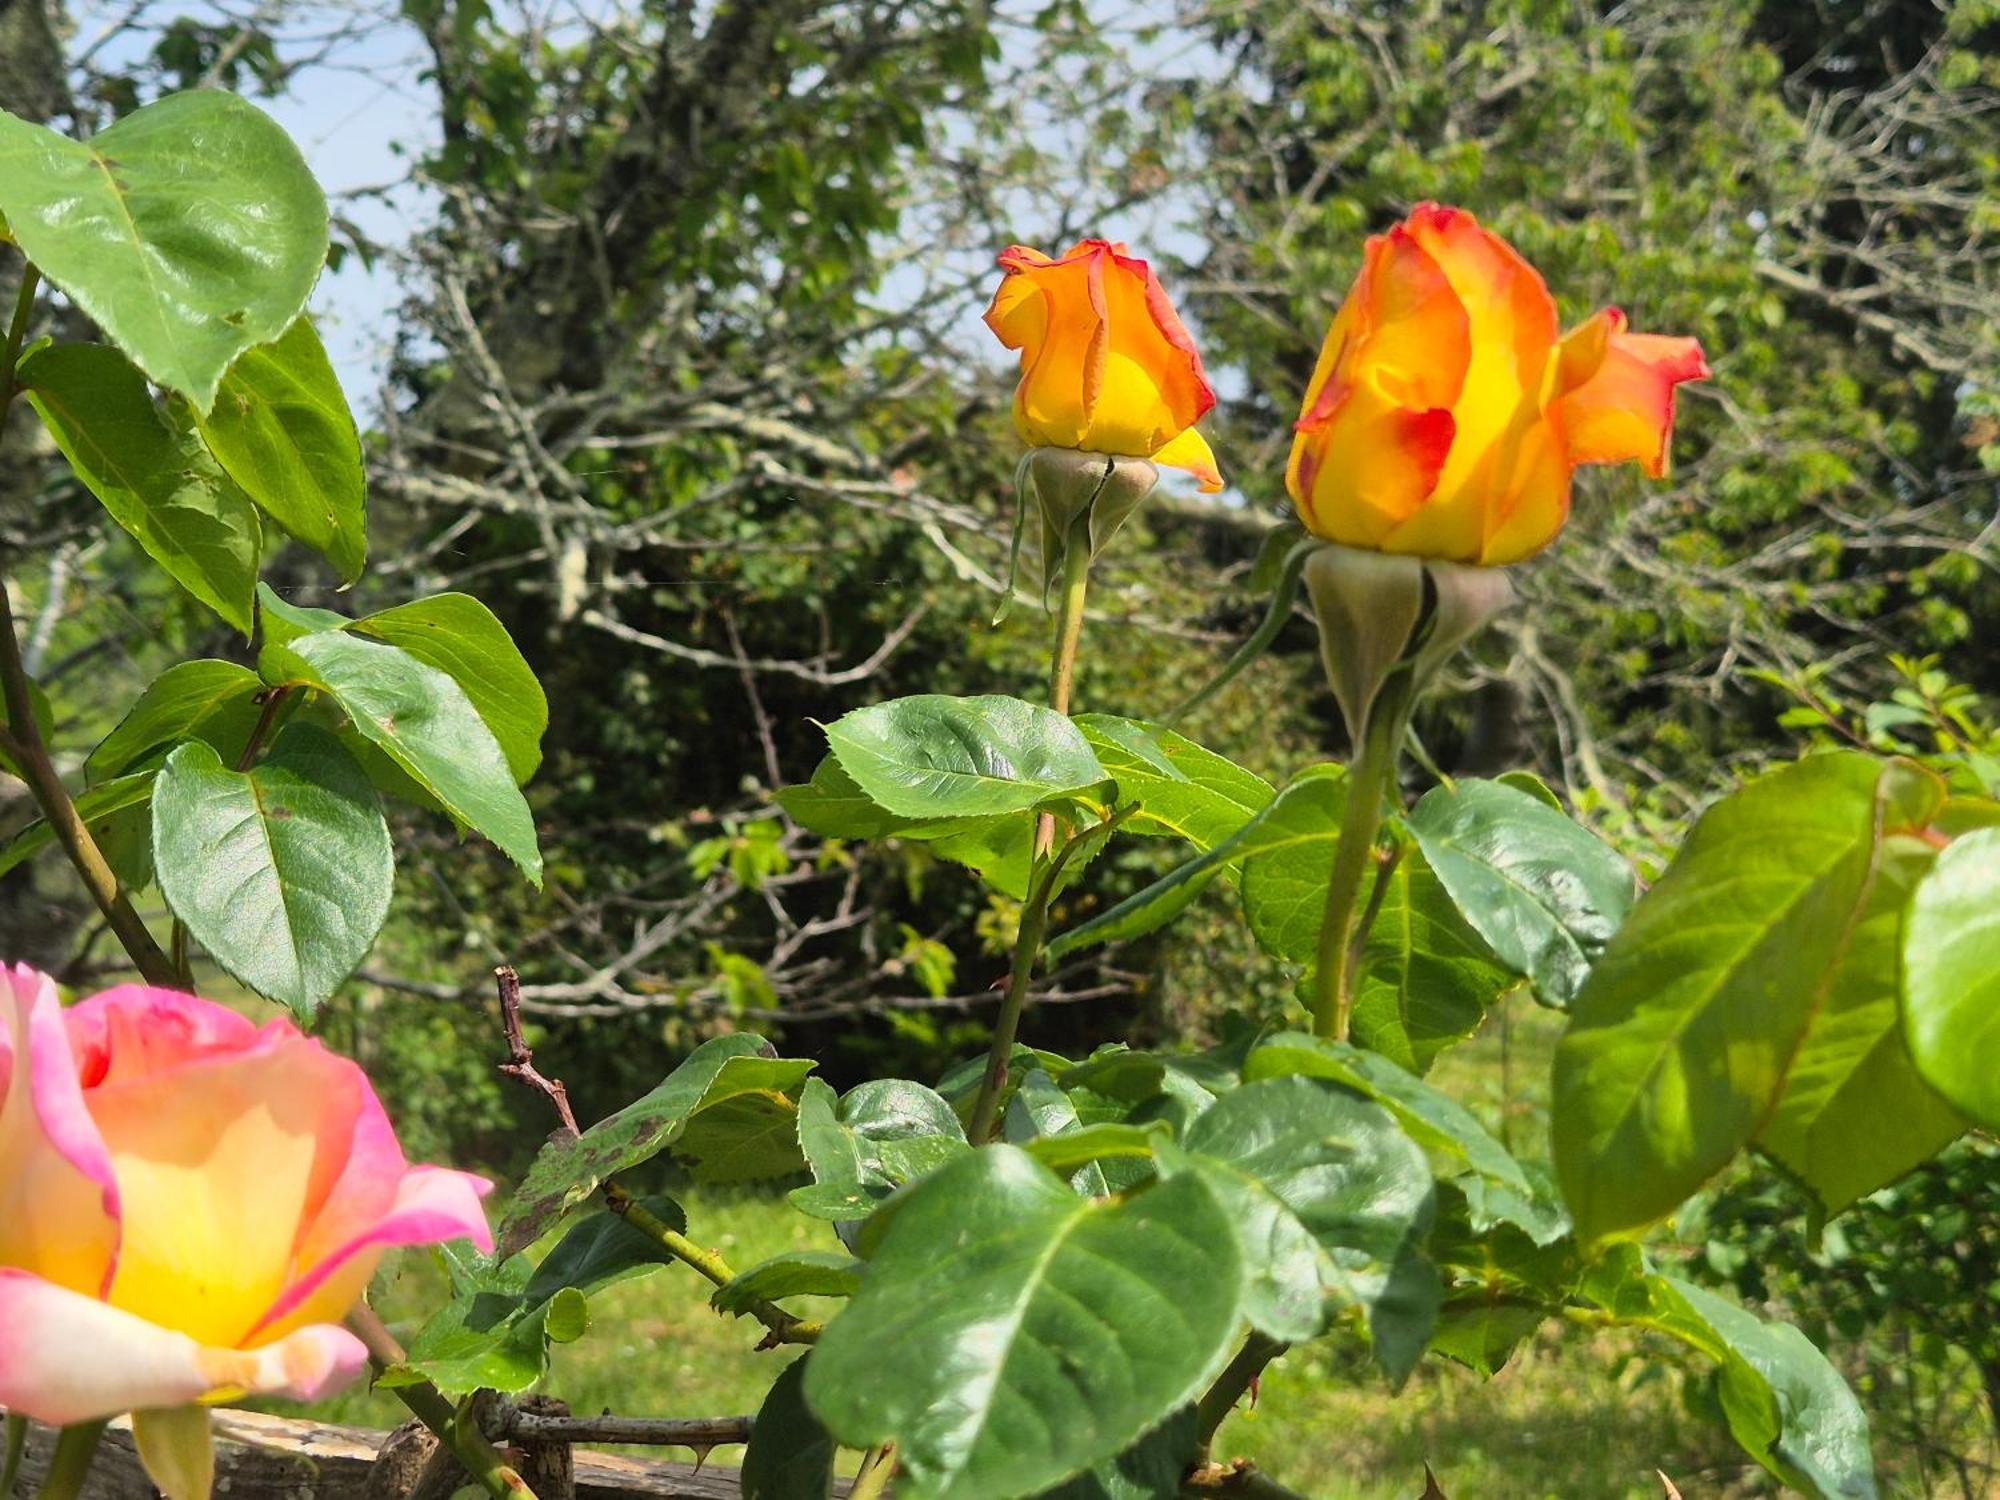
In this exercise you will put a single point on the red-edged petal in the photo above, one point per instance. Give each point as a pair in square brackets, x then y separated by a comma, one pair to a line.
[1624, 409]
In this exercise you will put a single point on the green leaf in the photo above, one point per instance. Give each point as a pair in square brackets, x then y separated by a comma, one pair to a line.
[487, 1337]
[117, 813]
[282, 622]
[464, 640]
[1331, 1201]
[1496, 1186]
[1297, 816]
[189, 231]
[281, 429]
[751, 1136]
[1150, 1468]
[796, 1273]
[149, 470]
[565, 1172]
[997, 1287]
[1040, 1111]
[886, 1133]
[1681, 1041]
[790, 1456]
[933, 756]
[423, 721]
[1182, 790]
[1069, 1150]
[602, 1250]
[284, 872]
[1951, 975]
[1785, 1405]
[214, 701]
[1545, 894]
[1853, 1070]
[1426, 978]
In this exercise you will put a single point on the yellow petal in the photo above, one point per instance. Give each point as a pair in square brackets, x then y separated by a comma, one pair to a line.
[1190, 451]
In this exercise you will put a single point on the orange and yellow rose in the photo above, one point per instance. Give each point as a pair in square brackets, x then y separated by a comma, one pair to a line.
[1448, 411]
[1106, 365]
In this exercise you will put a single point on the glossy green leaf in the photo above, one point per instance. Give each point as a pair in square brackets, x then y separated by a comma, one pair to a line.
[933, 756]
[1295, 818]
[884, 1134]
[1951, 975]
[463, 639]
[751, 1136]
[1786, 1406]
[117, 813]
[189, 231]
[1039, 1111]
[150, 471]
[1496, 1186]
[1149, 1469]
[1332, 1202]
[1853, 1070]
[602, 1250]
[1181, 790]
[565, 1172]
[424, 722]
[1426, 979]
[1681, 1041]
[1070, 1150]
[796, 1273]
[280, 428]
[281, 621]
[214, 701]
[996, 1286]
[284, 872]
[1544, 893]
[486, 1337]
[790, 1456]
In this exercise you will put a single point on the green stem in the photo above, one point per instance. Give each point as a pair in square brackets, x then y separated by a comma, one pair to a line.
[784, 1327]
[877, 1464]
[1027, 948]
[69, 1465]
[22, 738]
[1370, 778]
[484, 1462]
[23, 742]
[266, 716]
[1069, 611]
[1220, 1399]
[10, 1462]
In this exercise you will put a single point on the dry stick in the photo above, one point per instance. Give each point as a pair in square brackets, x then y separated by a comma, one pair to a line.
[781, 1327]
[675, 1432]
[520, 1061]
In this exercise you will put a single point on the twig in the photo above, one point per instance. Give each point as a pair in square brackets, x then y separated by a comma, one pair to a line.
[520, 1061]
[783, 1327]
[1238, 1376]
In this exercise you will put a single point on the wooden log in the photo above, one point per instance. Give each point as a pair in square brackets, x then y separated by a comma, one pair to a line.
[262, 1457]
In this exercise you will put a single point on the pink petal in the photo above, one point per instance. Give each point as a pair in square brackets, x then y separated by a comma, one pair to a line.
[59, 1205]
[66, 1357]
[432, 1205]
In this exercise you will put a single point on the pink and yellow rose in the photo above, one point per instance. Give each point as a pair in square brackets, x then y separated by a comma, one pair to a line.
[1106, 364]
[189, 1204]
[1448, 410]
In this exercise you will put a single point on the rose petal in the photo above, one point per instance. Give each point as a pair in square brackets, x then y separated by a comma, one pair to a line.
[59, 1198]
[66, 1357]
